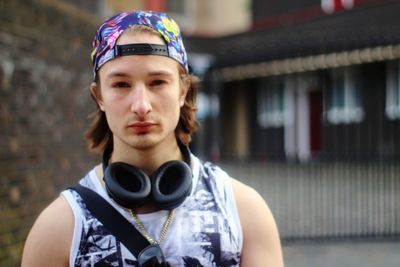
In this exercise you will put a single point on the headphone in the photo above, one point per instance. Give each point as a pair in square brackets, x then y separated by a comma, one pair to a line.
[131, 187]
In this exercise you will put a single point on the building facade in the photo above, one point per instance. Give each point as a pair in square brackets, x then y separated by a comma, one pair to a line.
[308, 85]
[304, 107]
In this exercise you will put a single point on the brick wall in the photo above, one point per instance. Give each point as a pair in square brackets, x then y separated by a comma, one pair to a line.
[44, 75]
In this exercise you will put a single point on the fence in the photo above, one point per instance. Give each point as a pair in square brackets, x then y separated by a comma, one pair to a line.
[326, 200]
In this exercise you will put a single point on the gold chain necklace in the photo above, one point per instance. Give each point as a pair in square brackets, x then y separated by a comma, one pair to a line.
[144, 232]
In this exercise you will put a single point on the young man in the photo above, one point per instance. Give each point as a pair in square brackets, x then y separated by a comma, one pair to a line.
[143, 125]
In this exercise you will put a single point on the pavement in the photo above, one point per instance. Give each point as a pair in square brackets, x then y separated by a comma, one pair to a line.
[337, 253]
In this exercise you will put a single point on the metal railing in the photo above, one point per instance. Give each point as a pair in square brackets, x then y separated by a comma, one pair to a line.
[326, 200]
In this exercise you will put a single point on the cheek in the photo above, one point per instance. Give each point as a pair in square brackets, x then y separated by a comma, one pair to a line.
[114, 102]
[173, 109]
[114, 110]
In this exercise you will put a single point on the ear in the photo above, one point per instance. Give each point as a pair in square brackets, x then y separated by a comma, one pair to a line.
[96, 94]
[185, 84]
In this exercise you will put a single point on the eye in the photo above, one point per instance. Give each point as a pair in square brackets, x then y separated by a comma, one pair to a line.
[120, 84]
[158, 82]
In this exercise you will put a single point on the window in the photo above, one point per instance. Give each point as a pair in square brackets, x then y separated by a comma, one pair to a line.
[393, 90]
[344, 97]
[270, 103]
[176, 6]
[208, 106]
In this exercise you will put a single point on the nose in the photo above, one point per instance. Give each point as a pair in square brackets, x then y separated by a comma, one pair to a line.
[140, 101]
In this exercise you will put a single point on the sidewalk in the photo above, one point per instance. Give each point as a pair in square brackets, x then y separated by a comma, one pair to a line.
[370, 253]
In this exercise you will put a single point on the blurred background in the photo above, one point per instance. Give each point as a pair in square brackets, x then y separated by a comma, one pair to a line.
[299, 99]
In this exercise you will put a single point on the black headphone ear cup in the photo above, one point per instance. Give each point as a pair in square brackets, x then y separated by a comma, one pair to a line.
[127, 185]
[171, 184]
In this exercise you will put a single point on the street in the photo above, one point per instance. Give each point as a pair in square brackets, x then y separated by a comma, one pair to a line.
[370, 253]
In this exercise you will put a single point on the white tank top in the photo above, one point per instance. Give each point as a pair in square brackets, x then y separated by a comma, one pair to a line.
[205, 231]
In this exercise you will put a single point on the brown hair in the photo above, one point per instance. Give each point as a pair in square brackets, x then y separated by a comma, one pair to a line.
[99, 135]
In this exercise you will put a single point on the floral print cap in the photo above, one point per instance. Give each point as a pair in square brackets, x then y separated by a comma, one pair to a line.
[106, 36]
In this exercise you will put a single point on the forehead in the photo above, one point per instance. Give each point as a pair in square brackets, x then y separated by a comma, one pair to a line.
[141, 35]
[139, 66]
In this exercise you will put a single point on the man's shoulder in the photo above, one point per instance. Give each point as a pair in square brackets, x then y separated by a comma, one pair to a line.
[245, 193]
[56, 215]
[51, 235]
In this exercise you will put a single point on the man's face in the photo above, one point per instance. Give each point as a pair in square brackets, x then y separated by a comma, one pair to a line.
[141, 96]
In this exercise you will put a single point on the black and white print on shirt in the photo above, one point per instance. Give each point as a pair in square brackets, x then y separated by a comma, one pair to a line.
[98, 247]
[209, 223]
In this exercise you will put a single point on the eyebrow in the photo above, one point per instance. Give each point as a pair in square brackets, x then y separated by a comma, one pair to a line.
[116, 74]
[160, 73]
[152, 73]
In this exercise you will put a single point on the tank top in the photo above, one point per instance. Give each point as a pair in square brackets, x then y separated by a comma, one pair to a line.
[205, 230]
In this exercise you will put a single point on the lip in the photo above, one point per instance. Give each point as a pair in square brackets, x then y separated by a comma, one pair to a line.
[141, 126]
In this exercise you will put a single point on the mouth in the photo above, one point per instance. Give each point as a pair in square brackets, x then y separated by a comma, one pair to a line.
[141, 127]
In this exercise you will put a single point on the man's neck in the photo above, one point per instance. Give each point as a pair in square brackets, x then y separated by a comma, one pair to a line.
[148, 207]
[149, 159]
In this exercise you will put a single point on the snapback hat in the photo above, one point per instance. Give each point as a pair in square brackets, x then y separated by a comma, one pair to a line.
[105, 45]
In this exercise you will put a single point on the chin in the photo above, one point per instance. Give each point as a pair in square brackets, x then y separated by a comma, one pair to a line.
[148, 141]
[144, 142]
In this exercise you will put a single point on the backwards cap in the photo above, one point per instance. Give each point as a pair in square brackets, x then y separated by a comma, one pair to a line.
[104, 43]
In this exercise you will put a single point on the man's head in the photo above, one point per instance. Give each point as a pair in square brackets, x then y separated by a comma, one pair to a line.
[140, 77]
[105, 42]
